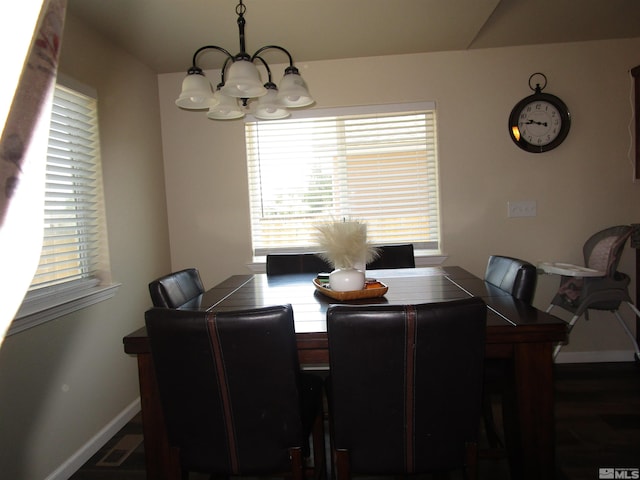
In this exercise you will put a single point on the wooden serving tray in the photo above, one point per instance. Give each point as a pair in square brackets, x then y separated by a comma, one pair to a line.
[370, 290]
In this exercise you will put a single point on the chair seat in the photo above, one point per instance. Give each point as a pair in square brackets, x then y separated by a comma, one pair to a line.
[577, 295]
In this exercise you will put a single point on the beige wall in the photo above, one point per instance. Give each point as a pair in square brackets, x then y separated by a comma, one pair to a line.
[62, 382]
[580, 187]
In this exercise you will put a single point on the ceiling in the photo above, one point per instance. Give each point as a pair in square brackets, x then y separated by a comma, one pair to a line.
[164, 34]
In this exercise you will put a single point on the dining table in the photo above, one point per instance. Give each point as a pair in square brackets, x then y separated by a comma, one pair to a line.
[517, 332]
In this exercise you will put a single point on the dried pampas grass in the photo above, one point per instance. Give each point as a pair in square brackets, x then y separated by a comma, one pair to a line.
[344, 244]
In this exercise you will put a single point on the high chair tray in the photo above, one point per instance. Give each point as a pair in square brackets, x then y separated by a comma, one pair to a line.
[569, 270]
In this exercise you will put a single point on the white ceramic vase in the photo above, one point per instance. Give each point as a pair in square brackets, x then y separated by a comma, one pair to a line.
[346, 279]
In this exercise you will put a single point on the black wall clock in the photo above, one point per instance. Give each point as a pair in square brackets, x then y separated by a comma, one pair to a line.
[539, 122]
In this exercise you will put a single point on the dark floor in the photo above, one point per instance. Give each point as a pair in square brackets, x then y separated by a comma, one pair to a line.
[597, 426]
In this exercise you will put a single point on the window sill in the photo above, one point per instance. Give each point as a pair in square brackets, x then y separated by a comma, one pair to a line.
[31, 315]
[424, 258]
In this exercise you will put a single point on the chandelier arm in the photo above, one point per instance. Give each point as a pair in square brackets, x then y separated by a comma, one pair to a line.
[277, 47]
[208, 47]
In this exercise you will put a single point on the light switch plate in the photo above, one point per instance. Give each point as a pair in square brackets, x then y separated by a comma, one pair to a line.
[522, 208]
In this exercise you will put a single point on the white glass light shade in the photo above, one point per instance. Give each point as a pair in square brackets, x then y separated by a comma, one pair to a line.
[243, 81]
[268, 107]
[294, 92]
[196, 93]
[225, 108]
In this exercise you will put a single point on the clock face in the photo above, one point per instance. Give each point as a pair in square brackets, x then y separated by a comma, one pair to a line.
[539, 123]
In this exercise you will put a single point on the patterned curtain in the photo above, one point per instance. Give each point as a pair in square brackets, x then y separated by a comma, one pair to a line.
[23, 160]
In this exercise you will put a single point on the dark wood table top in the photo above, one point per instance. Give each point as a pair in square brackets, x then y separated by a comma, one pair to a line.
[508, 320]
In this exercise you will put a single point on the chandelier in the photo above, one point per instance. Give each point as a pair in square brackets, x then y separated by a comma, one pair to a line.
[241, 88]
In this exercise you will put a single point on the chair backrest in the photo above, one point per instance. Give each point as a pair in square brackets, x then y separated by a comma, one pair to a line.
[228, 387]
[175, 289]
[514, 276]
[283, 263]
[602, 251]
[405, 384]
[393, 256]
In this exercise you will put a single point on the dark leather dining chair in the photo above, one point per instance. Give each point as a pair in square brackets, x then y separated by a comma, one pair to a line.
[518, 278]
[175, 289]
[393, 256]
[233, 397]
[284, 263]
[405, 388]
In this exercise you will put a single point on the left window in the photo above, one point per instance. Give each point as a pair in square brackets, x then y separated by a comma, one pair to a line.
[74, 266]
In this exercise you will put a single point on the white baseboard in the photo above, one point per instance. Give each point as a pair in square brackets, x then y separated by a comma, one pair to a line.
[89, 449]
[601, 356]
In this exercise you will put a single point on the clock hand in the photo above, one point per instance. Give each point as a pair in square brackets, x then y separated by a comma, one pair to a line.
[529, 122]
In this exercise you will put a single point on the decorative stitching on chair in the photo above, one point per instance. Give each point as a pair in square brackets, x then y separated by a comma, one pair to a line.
[212, 327]
[410, 344]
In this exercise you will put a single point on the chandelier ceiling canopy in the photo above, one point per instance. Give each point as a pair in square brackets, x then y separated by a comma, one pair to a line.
[241, 88]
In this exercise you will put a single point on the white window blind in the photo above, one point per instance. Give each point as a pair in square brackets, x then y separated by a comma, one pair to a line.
[73, 245]
[380, 168]
[74, 270]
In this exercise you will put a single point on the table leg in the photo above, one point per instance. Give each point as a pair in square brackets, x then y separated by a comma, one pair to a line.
[162, 462]
[532, 452]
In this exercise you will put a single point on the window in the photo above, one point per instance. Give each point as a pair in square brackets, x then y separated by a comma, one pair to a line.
[74, 263]
[374, 164]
